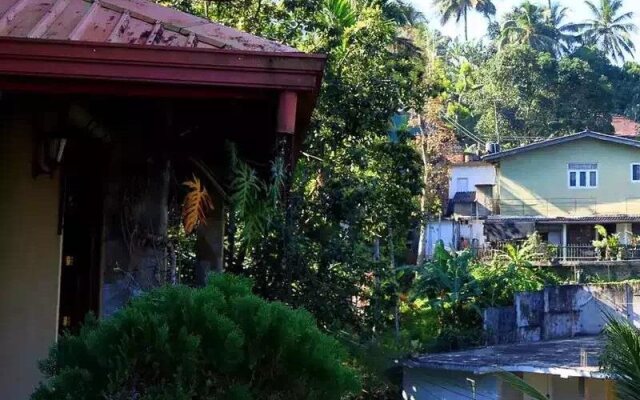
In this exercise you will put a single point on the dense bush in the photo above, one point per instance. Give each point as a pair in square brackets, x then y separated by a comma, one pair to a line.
[179, 343]
[451, 290]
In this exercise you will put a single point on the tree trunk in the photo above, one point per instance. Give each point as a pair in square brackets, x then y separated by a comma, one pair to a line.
[422, 241]
[466, 33]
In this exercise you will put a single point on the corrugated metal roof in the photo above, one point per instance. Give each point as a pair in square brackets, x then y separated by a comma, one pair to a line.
[135, 22]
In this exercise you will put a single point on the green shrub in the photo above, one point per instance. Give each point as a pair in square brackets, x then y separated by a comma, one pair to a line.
[217, 342]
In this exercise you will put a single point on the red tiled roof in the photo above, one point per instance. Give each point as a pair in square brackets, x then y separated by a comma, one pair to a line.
[140, 22]
[624, 126]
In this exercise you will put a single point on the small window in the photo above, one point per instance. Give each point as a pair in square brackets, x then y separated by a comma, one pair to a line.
[462, 185]
[635, 172]
[584, 175]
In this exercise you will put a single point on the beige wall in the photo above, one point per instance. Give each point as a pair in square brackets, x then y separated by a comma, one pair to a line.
[569, 388]
[536, 182]
[29, 262]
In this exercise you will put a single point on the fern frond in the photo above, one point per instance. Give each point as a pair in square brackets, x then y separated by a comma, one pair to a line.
[196, 204]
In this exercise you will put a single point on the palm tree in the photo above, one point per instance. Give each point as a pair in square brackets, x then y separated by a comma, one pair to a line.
[564, 33]
[402, 12]
[460, 9]
[527, 24]
[609, 28]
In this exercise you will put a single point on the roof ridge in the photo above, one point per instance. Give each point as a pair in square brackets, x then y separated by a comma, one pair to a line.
[562, 139]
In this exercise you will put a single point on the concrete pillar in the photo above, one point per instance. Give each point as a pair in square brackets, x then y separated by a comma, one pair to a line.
[210, 244]
[564, 242]
[625, 231]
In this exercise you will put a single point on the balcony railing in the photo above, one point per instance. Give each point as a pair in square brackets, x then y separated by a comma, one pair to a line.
[549, 253]
[564, 206]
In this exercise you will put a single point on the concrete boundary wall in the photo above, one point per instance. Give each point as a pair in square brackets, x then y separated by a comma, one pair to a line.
[559, 312]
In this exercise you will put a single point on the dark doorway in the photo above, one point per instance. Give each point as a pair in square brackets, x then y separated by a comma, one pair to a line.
[585, 233]
[580, 234]
[81, 222]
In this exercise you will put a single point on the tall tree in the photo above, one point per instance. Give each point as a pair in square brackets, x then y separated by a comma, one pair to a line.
[460, 9]
[609, 28]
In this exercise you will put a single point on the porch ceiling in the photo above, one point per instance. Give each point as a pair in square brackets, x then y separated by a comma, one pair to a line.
[138, 48]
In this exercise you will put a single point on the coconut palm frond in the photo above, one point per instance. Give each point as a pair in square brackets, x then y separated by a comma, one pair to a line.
[609, 28]
[621, 356]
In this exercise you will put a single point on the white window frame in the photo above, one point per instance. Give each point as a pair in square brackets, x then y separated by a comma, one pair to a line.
[631, 172]
[588, 178]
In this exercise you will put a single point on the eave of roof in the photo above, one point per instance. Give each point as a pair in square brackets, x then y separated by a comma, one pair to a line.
[619, 218]
[155, 64]
[556, 357]
[559, 140]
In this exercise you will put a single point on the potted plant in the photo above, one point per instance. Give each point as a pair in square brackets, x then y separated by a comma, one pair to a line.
[600, 245]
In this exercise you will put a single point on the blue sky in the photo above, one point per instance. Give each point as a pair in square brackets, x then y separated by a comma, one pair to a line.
[477, 24]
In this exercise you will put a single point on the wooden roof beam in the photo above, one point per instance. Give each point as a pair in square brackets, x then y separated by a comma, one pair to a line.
[191, 40]
[154, 32]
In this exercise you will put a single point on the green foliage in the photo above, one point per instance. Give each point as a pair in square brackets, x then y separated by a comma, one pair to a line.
[218, 342]
[512, 270]
[451, 292]
[621, 356]
[586, 97]
[527, 25]
[607, 245]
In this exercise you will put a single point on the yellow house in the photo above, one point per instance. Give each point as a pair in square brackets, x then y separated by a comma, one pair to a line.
[563, 186]
[104, 106]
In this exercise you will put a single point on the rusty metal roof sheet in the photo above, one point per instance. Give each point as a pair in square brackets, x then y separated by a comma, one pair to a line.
[135, 22]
